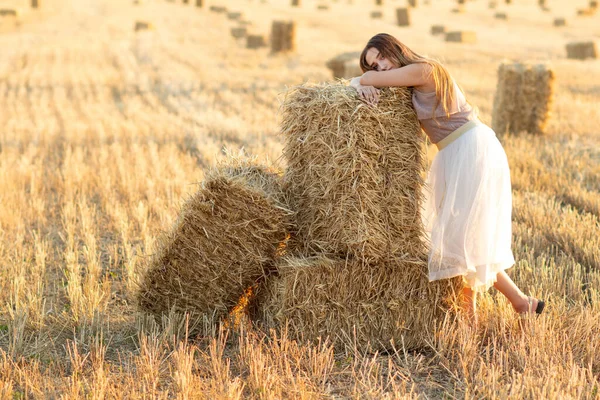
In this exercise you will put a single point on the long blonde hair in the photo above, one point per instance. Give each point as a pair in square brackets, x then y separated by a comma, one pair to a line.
[392, 49]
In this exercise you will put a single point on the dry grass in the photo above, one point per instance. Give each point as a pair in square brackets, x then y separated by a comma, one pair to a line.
[105, 132]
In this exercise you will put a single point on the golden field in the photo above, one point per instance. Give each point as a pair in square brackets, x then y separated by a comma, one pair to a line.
[104, 132]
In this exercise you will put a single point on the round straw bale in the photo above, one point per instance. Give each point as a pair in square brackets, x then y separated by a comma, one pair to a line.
[523, 99]
[225, 240]
[353, 171]
[322, 297]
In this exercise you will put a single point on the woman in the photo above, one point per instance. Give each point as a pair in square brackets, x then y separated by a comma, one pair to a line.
[468, 201]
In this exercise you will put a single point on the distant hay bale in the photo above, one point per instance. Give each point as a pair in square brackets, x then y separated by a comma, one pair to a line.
[323, 7]
[500, 15]
[322, 297]
[255, 41]
[376, 14]
[143, 26]
[345, 65]
[295, 3]
[593, 4]
[412, 3]
[461, 37]
[582, 50]
[460, 9]
[461, 1]
[186, 1]
[234, 15]
[239, 32]
[378, 2]
[9, 12]
[225, 239]
[35, 3]
[560, 22]
[218, 9]
[492, 4]
[243, 22]
[283, 36]
[523, 99]
[199, 3]
[353, 170]
[402, 17]
[438, 29]
[587, 12]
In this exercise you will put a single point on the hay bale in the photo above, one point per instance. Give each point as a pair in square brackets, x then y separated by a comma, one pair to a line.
[35, 3]
[255, 41]
[402, 17]
[9, 12]
[199, 3]
[586, 12]
[143, 26]
[593, 4]
[295, 3]
[438, 29]
[461, 1]
[460, 9]
[243, 22]
[560, 22]
[353, 170]
[492, 5]
[378, 2]
[523, 99]
[225, 240]
[582, 50]
[323, 7]
[500, 15]
[239, 32]
[283, 36]
[461, 37]
[218, 9]
[326, 297]
[376, 14]
[412, 3]
[341, 65]
[234, 15]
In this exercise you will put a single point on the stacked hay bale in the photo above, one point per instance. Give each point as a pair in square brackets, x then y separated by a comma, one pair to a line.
[402, 17]
[283, 36]
[523, 98]
[345, 65]
[255, 41]
[582, 50]
[356, 267]
[461, 37]
[225, 240]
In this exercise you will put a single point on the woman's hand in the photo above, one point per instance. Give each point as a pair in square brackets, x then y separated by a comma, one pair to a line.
[368, 93]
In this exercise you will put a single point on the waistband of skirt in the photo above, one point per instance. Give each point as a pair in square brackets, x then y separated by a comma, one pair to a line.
[457, 133]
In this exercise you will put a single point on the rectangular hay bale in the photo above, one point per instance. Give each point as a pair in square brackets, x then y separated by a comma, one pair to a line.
[239, 32]
[376, 14]
[255, 41]
[438, 29]
[354, 172]
[560, 22]
[402, 17]
[582, 50]
[283, 36]
[523, 98]
[461, 37]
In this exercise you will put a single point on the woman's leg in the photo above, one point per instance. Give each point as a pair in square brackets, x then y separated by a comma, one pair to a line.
[469, 301]
[517, 298]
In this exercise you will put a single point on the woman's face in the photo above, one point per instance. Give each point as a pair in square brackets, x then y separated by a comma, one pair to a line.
[377, 61]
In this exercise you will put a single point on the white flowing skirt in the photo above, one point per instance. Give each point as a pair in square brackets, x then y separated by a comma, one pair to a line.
[467, 210]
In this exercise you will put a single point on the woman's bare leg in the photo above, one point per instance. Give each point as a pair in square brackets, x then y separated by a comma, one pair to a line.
[517, 298]
[469, 302]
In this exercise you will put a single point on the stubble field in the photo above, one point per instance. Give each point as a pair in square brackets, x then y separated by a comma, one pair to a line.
[105, 131]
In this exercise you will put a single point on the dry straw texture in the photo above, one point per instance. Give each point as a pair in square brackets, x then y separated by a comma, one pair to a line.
[224, 241]
[353, 171]
[523, 99]
[366, 306]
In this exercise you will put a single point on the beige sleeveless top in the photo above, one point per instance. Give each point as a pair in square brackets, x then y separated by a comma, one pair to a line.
[461, 112]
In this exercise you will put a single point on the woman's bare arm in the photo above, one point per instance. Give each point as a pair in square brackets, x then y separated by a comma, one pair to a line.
[417, 75]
